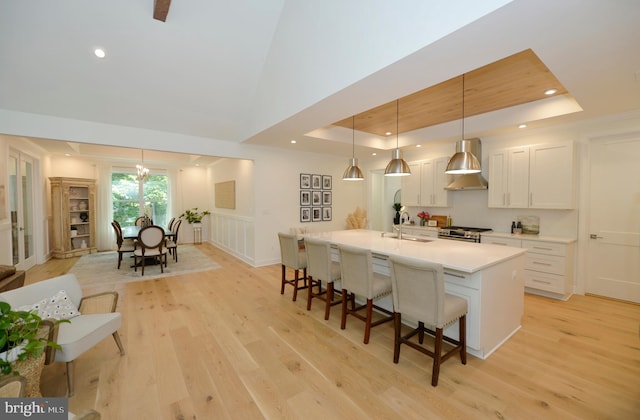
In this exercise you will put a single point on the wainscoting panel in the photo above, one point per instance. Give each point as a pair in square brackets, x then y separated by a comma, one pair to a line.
[234, 235]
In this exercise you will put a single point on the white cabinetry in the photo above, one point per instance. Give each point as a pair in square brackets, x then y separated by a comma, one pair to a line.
[539, 176]
[411, 186]
[509, 178]
[549, 266]
[425, 186]
[434, 180]
[551, 179]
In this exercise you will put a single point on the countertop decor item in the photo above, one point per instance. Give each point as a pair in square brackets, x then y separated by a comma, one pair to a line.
[424, 216]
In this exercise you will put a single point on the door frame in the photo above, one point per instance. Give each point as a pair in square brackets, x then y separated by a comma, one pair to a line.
[584, 218]
[40, 225]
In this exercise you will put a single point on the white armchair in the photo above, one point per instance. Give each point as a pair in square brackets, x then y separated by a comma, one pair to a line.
[96, 321]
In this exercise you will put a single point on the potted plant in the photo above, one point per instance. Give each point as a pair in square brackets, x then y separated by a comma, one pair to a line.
[397, 207]
[22, 344]
[194, 215]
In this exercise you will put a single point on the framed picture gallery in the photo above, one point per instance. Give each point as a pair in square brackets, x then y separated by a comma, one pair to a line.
[315, 197]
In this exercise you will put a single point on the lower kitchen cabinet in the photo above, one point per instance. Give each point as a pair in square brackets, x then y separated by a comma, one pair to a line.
[549, 265]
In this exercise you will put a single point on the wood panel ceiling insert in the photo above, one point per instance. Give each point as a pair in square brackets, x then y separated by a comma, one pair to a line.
[161, 9]
[514, 80]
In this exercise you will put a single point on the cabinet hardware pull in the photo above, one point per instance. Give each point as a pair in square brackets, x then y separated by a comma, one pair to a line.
[542, 248]
[541, 281]
[541, 263]
[454, 275]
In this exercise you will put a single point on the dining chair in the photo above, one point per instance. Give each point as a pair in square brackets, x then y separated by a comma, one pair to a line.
[359, 279]
[150, 245]
[321, 268]
[124, 245]
[171, 222]
[419, 293]
[295, 258]
[172, 241]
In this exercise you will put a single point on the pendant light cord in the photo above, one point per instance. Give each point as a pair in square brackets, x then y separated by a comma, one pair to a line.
[397, 121]
[462, 106]
[353, 138]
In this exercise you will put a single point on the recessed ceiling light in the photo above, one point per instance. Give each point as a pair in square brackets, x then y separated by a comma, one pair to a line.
[67, 154]
[374, 154]
[293, 142]
[418, 145]
[550, 91]
[522, 126]
[99, 52]
[388, 133]
[197, 164]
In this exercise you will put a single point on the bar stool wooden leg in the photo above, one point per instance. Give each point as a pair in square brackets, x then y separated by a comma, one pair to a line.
[343, 320]
[397, 328]
[437, 355]
[367, 322]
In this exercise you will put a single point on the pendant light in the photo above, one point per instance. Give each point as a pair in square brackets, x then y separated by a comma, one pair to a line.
[397, 166]
[463, 161]
[353, 173]
[143, 173]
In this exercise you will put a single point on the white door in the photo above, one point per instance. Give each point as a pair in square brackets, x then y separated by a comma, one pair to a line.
[21, 206]
[614, 221]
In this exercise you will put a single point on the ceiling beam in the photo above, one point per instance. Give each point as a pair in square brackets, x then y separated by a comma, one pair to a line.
[161, 9]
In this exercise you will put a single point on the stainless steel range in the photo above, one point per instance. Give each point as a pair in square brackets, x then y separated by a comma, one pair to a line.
[461, 233]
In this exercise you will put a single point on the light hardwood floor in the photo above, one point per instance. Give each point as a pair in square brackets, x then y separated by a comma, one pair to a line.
[226, 344]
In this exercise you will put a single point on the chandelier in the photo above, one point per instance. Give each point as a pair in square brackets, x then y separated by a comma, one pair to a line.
[143, 173]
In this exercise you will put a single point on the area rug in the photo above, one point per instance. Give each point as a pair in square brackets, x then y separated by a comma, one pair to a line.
[102, 268]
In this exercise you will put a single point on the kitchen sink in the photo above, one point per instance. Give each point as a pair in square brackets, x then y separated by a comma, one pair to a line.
[417, 239]
[408, 237]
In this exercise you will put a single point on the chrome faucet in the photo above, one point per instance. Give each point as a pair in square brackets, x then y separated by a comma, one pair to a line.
[402, 223]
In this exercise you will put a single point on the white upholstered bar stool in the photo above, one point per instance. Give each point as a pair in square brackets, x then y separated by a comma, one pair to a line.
[359, 279]
[418, 293]
[321, 268]
[295, 258]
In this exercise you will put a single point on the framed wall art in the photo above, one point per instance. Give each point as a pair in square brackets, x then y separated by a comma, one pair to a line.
[316, 214]
[316, 182]
[305, 198]
[305, 181]
[326, 198]
[326, 182]
[305, 214]
[316, 198]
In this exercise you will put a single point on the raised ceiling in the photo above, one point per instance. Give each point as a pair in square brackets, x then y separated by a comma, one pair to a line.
[518, 79]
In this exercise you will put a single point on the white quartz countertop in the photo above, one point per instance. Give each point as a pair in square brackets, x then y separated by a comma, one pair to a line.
[455, 255]
[542, 238]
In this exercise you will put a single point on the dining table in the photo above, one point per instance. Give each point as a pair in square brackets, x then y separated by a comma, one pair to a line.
[131, 232]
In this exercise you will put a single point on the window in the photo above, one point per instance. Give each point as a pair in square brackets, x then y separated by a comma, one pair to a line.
[133, 198]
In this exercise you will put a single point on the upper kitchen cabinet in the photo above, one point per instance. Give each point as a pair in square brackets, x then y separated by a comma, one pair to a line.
[552, 178]
[509, 178]
[425, 186]
[411, 186]
[434, 180]
[538, 176]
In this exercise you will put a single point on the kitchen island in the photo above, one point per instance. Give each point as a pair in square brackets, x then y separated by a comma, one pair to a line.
[489, 277]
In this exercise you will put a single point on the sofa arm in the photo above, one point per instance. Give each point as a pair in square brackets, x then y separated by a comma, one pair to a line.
[99, 303]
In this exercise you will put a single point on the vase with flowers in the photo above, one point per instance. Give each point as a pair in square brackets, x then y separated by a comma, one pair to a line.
[424, 216]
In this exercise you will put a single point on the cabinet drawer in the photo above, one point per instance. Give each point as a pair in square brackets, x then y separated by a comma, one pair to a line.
[549, 248]
[544, 281]
[545, 263]
[516, 243]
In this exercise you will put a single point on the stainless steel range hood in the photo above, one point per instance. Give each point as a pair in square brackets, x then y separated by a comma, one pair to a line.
[469, 181]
